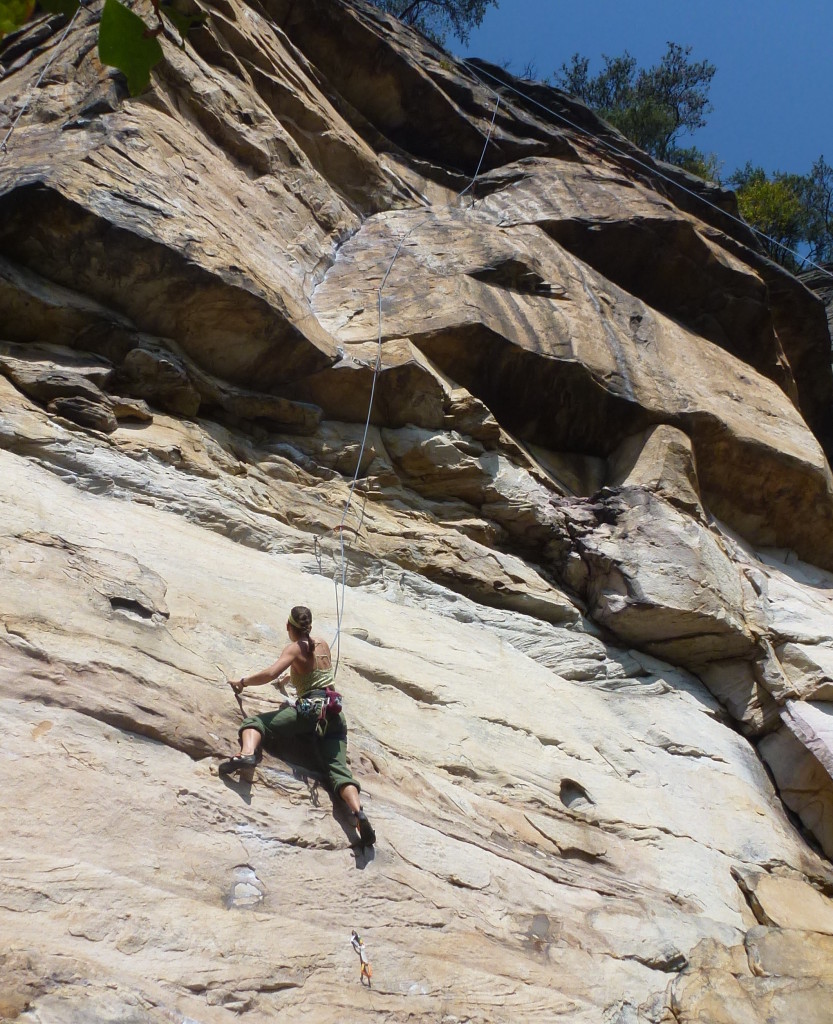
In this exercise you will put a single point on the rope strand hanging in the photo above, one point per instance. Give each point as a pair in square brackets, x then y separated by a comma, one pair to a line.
[377, 366]
[478, 72]
[4, 144]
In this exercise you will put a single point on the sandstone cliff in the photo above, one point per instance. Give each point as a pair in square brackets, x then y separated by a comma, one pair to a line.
[587, 645]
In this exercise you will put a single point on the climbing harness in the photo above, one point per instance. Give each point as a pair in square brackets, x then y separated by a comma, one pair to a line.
[321, 708]
[365, 968]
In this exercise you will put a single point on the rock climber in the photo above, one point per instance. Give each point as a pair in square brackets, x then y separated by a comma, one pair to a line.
[316, 713]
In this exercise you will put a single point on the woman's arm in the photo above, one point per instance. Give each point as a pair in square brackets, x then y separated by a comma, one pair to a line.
[266, 675]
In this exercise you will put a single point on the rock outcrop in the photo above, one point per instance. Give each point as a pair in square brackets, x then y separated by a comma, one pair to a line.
[820, 281]
[587, 642]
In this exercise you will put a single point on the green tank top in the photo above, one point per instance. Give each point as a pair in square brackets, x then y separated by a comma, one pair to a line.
[317, 679]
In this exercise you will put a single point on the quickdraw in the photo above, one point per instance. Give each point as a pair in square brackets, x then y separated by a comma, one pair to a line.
[321, 709]
[366, 969]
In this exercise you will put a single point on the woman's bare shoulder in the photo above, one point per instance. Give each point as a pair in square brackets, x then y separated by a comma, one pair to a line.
[321, 645]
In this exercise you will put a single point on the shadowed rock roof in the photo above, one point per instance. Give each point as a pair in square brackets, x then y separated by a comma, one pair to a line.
[586, 649]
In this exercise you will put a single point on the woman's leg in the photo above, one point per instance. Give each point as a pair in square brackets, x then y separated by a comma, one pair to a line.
[350, 795]
[273, 724]
[332, 751]
[250, 740]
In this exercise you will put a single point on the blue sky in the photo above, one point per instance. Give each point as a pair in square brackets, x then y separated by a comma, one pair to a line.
[773, 91]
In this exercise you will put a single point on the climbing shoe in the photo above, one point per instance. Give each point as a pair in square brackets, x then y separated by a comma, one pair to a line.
[366, 833]
[234, 764]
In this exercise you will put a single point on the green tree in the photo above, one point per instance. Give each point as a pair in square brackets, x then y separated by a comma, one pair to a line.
[653, 106]
[125, 41]
[131, 45]
[436, 18]
[13, 13]
[695, 161]
[818, 203]
[777, 207]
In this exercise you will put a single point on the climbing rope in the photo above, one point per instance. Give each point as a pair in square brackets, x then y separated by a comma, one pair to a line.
[46, 67]
[478, 73]
[341, 585]
[655, 171]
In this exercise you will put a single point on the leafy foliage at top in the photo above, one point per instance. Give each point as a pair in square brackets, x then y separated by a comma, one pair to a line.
[773, 206]
[125, 41]
[13, 13]
[438, 18]
[653, 106]
[795, 211]
[819, 203]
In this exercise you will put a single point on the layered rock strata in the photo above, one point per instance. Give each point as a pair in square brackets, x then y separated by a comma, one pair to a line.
[588, 583]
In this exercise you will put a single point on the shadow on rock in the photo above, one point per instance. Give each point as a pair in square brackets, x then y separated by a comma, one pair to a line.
[242, 784]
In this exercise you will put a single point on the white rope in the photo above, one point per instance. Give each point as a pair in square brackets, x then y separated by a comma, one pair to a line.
[376, 369]
[23, 109]
[477, 72]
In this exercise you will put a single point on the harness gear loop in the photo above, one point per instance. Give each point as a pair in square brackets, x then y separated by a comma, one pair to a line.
[321, 707]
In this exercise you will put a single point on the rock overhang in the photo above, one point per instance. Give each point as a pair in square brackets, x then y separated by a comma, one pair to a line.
[552, 439]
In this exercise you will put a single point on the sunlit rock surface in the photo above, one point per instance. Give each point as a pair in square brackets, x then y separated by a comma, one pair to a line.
[588, 606]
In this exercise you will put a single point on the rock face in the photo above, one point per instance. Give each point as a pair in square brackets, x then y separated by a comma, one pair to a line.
[820, 281]
[588, 586]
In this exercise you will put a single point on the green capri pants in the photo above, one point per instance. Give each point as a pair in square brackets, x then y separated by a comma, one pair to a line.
[330, 749]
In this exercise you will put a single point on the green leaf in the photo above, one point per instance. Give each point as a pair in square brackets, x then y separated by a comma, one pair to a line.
[13, 13]
[183, 23]
[67, 7]
[125, 42]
